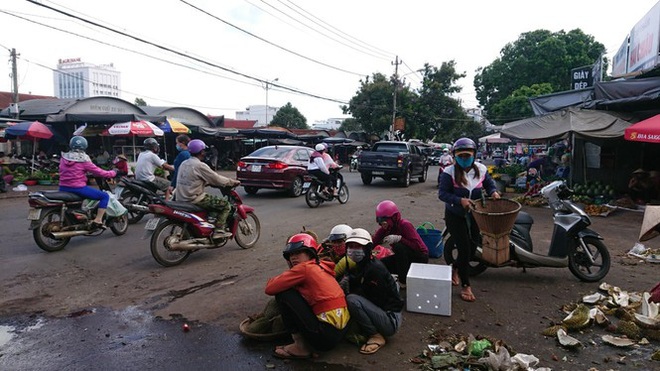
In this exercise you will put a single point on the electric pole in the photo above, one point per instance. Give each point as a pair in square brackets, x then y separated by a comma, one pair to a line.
[14, 77]
[396, 64]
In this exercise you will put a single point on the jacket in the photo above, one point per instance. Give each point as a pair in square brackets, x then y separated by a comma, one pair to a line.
[374, 282]
[74, 167]
[408, 233]
[315, 282]
[193, 176]
[450, 192]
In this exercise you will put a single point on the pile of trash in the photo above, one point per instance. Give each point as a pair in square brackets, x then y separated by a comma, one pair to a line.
[644, 253]
[637, 318]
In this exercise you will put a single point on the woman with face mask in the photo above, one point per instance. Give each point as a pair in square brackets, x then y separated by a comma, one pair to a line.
[372, 295]
[181, 146]
[459, 185]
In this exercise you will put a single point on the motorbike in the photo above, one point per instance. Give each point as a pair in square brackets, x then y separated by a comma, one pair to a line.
[56, 216]
[573, 244]
[353, 166]
[314, 194]
[181, 228]
[136, 195]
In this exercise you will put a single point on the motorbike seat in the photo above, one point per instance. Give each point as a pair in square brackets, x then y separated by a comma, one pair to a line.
[524, 218]
[146, 184]
[184, 206]
[62, 196]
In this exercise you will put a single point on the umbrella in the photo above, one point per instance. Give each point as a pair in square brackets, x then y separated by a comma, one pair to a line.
[644, 131]
[90, 131]
[172, 126]
[140, 128]
[494, 138]
[29, 130]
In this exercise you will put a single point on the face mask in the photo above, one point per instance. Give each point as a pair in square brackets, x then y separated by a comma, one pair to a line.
[465, 162]
[178, 148]
[356, 255]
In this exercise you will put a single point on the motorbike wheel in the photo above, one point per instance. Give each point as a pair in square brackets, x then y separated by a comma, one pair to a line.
[129, 198]
[160, 243]
[312, 198]
[248, 231]
[47, 224]
[580, 264]
[451, 254]
[119, 225]
[343, 195]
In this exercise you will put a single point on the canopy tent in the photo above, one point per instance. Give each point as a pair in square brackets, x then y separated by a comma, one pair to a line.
[644, 131]
[494, 138]
[102, 118]
[586, 123]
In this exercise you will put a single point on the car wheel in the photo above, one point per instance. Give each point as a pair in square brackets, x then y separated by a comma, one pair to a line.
[296, 187]
[405, 179]
[250, 190]
[425, 175]
[366, 178]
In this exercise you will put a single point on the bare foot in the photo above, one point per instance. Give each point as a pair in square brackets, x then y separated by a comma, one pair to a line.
[292, 351]
[467, 295]
[455, 280]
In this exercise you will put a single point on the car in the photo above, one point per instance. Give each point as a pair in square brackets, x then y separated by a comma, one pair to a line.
[274, 167]
[498, 153]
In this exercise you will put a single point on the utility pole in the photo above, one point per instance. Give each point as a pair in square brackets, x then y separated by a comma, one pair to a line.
[14, 77]
[396, 64]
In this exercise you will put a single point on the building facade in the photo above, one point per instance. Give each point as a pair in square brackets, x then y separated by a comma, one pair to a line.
[261, 114]
[76, 79]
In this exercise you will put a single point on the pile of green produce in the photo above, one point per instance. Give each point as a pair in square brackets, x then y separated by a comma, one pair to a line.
[593, 193]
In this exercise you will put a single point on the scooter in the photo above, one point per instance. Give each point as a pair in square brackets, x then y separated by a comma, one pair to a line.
[573, 244]
[353, 166]
[136, 195]
[181, 228]
[314, 194]
[55, 217]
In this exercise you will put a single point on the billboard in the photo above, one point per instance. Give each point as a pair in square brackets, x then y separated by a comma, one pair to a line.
[643, 48]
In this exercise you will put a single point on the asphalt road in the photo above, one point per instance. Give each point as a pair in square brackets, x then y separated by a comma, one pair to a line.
[104, 303]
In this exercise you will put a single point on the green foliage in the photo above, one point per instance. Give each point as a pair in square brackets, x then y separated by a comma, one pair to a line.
[40, 175]
[289, 117]
[140, 102]
[536, 57]
[371, 106]
[516, 106]
[350, 124]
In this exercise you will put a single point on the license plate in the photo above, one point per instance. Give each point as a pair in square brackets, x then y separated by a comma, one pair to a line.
[151, 224]
[306, 184]
[255, 168]
[34, 214]
[378, 173]
[118, 191]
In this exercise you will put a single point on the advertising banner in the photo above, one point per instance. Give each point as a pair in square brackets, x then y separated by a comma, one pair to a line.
[644, 39]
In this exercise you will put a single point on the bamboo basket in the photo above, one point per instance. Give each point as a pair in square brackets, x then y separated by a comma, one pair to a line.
[495, 219]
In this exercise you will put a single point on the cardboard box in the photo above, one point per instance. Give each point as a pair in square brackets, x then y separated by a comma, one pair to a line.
[428, 289]
[495, 250]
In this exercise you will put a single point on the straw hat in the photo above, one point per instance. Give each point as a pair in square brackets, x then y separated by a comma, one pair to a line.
[122, 157]
[650, 224]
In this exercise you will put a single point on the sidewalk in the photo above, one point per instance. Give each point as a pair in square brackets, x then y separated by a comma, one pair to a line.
[18, 194]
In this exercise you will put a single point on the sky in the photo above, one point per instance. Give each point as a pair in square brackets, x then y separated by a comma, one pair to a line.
[318, 51]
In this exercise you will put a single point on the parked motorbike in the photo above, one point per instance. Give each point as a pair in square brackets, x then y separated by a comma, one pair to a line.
[56, 216]
[314, 194]
[136, 195]
[353, 166]
[573, 244]
[180, 228]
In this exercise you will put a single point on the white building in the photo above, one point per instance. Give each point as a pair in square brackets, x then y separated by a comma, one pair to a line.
[328, 124]
[76, 79]
[258, 113]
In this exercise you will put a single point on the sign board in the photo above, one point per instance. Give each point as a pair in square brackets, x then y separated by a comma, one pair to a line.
[582, 77]
[399, 124]
[644, 39]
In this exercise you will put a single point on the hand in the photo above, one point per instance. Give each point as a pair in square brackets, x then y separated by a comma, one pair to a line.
[391, 239]
[495, 196]
[466, 203]
[236, 183]
[344, 284]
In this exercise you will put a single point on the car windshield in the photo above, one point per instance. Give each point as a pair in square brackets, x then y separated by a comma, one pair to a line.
[270, 152]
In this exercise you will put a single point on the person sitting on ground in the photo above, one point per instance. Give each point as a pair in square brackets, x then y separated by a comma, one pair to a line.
[193, 176]
[402, 237]
[317, 168]
[372, 294]
[181, 146]
[312, 305]
[147, 163]
[74, 166]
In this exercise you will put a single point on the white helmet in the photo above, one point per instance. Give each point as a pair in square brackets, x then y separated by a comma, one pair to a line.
[320, 147]
[340, 232]
[360, 236]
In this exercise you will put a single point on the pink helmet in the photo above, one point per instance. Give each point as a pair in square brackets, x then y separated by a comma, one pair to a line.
[387, 209]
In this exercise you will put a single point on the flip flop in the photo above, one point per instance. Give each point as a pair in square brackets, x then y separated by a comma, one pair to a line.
[282, 353]
[375, 341]
[468, 296]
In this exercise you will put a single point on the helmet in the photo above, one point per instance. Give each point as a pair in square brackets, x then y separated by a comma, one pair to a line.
[300, 242]
[196, 146]
[362, 237]
[151, 143]
[340, 232]
[464, 145]
[445, 150]
[320, 147]
[387, 210]
[78, 143]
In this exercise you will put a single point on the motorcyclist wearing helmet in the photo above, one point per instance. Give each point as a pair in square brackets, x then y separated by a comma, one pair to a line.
[74, 166]
[372, 295]
[403, 239]
[331, 164]
[446, 159]
[181, 146]
[193, 175]
[318, 168]
[459, 185]
[148, 161]
[312, 304]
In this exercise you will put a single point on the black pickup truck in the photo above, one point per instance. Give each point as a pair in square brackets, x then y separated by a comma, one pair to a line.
[393, 160]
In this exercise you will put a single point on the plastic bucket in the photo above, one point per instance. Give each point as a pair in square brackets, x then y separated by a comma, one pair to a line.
[432, 238]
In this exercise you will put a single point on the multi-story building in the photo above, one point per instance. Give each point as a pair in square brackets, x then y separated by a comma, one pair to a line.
[77, 79]
[259, 113]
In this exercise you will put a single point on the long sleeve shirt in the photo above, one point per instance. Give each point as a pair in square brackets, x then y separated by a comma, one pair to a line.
[193, 176]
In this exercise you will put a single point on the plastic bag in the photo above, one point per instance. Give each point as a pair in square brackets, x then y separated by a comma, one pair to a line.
[115, 208]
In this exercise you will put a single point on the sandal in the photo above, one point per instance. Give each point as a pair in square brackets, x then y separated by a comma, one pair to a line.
[282, 353]
[467, 295]
[373, 345]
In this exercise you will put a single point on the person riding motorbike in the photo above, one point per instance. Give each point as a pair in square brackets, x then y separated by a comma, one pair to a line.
[74, 166]
[181, 146]
[459, 185]
[330, 164]
[446, 159]
[148, 161]
[318, 168]
[193, 175]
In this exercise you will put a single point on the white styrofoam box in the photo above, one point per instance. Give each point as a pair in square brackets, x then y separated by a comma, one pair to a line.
[428, 289]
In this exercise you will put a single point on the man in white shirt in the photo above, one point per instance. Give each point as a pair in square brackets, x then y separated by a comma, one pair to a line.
[147, 163]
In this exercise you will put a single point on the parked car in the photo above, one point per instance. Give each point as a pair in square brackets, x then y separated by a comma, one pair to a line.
[274, 167]
[497, 153]
[393, 160]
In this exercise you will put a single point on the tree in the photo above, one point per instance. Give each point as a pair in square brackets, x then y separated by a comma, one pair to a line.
[536, 57]
[140, 102]
[350, 124]
[289, 117]
[516, 106]
[371, 107]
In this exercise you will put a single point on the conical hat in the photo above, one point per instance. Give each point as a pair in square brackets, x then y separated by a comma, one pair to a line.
[650, 224]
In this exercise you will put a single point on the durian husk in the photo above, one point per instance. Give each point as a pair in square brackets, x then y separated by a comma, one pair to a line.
[651, 334]
[647, 322]
[629, 328]
[552, 330]
[624, 314]
[577, 319]
[616, 341]
[567, 341]
[259, 326]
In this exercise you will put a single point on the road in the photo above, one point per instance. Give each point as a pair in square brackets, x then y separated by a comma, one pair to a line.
[106, 296]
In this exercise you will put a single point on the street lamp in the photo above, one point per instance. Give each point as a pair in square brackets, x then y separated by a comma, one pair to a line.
[267, 83]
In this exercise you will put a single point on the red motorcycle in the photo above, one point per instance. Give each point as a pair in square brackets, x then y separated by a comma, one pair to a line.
[181, 228]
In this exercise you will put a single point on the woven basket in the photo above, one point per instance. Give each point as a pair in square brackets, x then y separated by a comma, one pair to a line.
[496, 217]
[261, 337]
